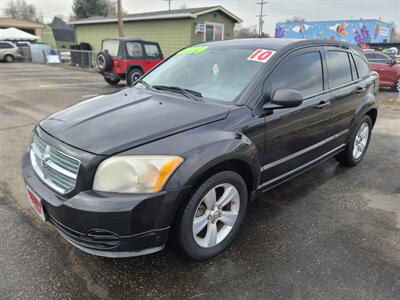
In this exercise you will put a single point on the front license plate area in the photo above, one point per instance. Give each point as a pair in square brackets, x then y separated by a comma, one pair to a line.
[36, 203]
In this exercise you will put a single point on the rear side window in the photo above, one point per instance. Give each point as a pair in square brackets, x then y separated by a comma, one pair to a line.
[111, 46]
[362, 67]
[339, 71]
[302, 73]
[134, 49]
[151, 50]
[6, 46]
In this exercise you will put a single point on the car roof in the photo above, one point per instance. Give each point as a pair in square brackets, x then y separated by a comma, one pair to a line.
[280, 43]
[129, 39]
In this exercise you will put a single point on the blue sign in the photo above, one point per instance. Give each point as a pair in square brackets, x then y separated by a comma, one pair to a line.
[352, 31]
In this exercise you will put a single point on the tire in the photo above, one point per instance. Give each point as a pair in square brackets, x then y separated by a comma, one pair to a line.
[201, 245]
[350, 156]
[112, 81]
[104, 61]
[397, 85]
[133, 75]
[8, 58]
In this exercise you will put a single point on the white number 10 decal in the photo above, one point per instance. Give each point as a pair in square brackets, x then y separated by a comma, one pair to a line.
[261, 55]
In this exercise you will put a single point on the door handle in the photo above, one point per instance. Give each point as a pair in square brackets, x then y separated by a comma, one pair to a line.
[360, 89]
[322, 104]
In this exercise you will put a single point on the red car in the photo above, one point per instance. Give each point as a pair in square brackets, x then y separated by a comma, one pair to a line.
[127, 59]
[386, 67]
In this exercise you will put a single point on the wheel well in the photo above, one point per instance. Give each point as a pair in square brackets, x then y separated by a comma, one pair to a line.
[238, 166]
[373, 114]
[135, 67]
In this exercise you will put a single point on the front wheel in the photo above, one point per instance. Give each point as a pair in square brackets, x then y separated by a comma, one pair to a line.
[357, 145]
[213, 215]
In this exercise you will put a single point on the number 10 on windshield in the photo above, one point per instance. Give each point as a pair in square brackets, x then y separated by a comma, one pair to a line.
[261, 55]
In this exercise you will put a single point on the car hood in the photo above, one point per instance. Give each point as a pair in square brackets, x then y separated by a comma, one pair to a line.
[112, 123]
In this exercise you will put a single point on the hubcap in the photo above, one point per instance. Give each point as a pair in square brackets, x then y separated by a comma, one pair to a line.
[135, 76]
[216, 215]
[9, 58]
[360, 141]
[398, 85]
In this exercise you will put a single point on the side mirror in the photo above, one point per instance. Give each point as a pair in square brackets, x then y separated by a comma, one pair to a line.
[284, 98]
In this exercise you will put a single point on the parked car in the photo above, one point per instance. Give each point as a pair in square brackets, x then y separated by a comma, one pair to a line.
[182, 152]
[9, 52]
[387, 68]
[127, 59]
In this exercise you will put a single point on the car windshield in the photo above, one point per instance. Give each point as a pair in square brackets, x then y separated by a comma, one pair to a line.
[217, 73]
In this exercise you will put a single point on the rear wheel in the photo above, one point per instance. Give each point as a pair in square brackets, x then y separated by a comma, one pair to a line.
[8, 58]
[397, 86]
[357, 145]
[112, 81]
[133, 75]
[213, 215]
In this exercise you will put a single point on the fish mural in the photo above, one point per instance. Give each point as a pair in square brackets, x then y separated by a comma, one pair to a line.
[351, 31]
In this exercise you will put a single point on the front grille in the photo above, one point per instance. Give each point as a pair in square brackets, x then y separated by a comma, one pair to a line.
[55, 168]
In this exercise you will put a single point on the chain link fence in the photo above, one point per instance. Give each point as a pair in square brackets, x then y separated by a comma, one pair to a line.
[78, 58]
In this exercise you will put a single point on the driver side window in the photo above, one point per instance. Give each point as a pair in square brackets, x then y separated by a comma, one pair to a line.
[301, 72]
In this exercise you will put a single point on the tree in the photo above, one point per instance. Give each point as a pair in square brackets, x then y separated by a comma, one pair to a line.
[89, 8]
[295, 19]
[395, 35]
[247, 32]
[19, 9]
[111, 8]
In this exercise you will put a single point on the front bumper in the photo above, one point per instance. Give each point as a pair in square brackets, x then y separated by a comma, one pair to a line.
[107, 224]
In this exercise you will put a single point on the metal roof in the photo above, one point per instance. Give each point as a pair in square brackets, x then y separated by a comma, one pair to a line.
[159, 15]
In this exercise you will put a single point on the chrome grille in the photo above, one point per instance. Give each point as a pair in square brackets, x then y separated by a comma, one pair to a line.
[57, 169]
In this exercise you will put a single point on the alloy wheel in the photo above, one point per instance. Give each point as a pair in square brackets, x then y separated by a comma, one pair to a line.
[361, 140]
[216, 215]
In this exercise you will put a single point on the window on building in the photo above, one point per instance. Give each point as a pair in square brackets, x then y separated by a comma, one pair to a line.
[151, 50]
[214, 32]
[302, 73]
[338, 68]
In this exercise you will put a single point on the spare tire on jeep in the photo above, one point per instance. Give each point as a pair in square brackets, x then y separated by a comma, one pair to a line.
[104, 61]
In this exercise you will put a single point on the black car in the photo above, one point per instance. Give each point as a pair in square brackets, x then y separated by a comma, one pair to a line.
[182, 152]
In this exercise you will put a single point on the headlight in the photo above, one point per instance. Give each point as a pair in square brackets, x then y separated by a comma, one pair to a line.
[135, 174]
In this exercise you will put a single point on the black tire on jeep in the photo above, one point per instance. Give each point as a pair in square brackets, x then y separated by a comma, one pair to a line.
[112, 81]
[104, 61]
[133, 75]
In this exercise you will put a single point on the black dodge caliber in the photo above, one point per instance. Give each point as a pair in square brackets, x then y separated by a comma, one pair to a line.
[182, 152]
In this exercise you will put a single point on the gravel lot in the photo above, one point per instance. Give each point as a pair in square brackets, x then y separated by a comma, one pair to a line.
[331, 233]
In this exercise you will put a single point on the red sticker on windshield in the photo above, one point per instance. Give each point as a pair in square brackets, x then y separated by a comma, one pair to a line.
[261, 55]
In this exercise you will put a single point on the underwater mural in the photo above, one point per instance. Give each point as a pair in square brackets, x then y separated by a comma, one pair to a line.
[352, 31]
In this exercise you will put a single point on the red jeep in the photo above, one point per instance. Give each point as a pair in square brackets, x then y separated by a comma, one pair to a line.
[127, 58]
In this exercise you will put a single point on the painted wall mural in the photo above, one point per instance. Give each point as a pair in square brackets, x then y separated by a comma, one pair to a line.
[351, 31]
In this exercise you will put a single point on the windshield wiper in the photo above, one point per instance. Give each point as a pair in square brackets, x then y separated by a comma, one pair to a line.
[147, 85]
[194, 95]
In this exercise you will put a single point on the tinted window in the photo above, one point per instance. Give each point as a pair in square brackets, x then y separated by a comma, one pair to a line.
[353, 68]
[151, 50]
[111, 46]
[302, 73]
[5, 46]
[377, 58]
[339, 71]
[134, 49]
[362, 67]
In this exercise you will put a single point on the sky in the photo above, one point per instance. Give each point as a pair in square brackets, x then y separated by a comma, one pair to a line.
[275, 10]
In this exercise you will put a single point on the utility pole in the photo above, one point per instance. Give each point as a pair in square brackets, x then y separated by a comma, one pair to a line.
[169, 4]
[261, 20]
[120, 19]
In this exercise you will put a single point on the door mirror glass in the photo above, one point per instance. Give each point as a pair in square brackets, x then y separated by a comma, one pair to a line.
[284, 98]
